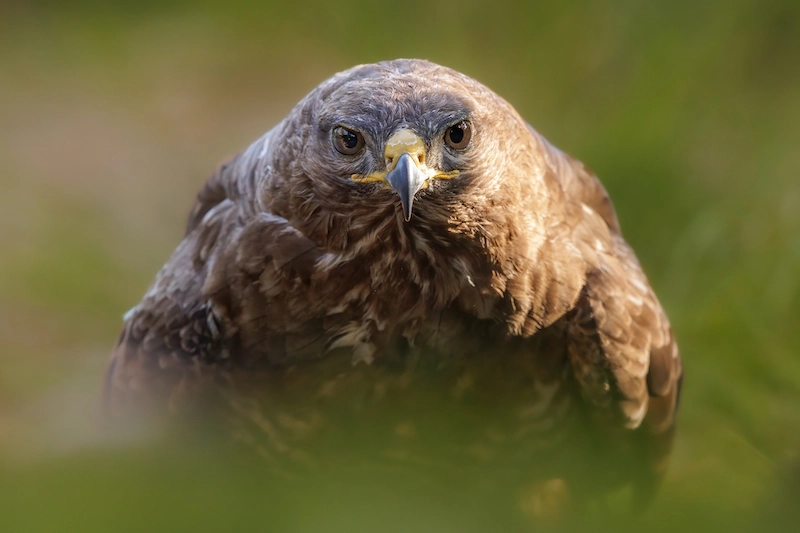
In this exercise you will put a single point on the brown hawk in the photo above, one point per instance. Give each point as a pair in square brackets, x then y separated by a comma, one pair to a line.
[401, 254]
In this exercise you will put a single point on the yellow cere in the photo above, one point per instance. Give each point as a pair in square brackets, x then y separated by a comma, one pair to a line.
[404, 141]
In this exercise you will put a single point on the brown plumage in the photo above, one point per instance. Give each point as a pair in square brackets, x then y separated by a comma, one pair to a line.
[300, 281]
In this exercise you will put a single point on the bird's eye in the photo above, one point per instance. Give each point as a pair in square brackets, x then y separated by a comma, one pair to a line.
[458, 135]
[346, 141]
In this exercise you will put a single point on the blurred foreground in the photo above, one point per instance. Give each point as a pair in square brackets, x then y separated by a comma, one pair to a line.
[112, 118]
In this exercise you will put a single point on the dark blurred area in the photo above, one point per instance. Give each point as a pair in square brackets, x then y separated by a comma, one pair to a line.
[112, 115]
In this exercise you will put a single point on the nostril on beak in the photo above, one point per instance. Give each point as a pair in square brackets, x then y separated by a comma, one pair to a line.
[403, 142]
[418, 157]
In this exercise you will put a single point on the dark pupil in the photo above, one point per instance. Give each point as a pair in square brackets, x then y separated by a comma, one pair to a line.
[456, 134]
[350, 140]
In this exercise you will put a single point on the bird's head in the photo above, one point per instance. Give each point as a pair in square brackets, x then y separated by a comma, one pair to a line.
[404, 136]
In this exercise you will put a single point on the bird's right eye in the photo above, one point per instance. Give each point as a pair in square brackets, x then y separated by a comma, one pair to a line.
[347, 141]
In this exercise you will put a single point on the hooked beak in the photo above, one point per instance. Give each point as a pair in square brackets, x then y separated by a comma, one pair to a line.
[407, 179]
[406, 171]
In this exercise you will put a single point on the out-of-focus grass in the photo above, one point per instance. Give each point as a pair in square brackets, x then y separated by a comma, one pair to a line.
[111, 117]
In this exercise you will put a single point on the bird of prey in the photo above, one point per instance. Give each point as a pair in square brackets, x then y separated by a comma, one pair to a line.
[403, 237]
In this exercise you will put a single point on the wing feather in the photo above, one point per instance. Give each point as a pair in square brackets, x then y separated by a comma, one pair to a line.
[621, 346]
[224, 286]
[624, 356]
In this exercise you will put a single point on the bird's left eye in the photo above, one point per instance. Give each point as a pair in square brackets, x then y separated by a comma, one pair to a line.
[347, 141]
[458, 135]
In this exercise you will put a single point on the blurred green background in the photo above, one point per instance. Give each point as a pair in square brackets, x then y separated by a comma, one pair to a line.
[113, 114]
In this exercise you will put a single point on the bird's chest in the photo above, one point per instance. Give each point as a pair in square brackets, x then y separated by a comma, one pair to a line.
[446, 326]
[479, 401]
[435, 301]
[414, 343]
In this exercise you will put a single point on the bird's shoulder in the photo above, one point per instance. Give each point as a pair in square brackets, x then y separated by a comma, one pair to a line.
[236, 276]
[577, 182]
